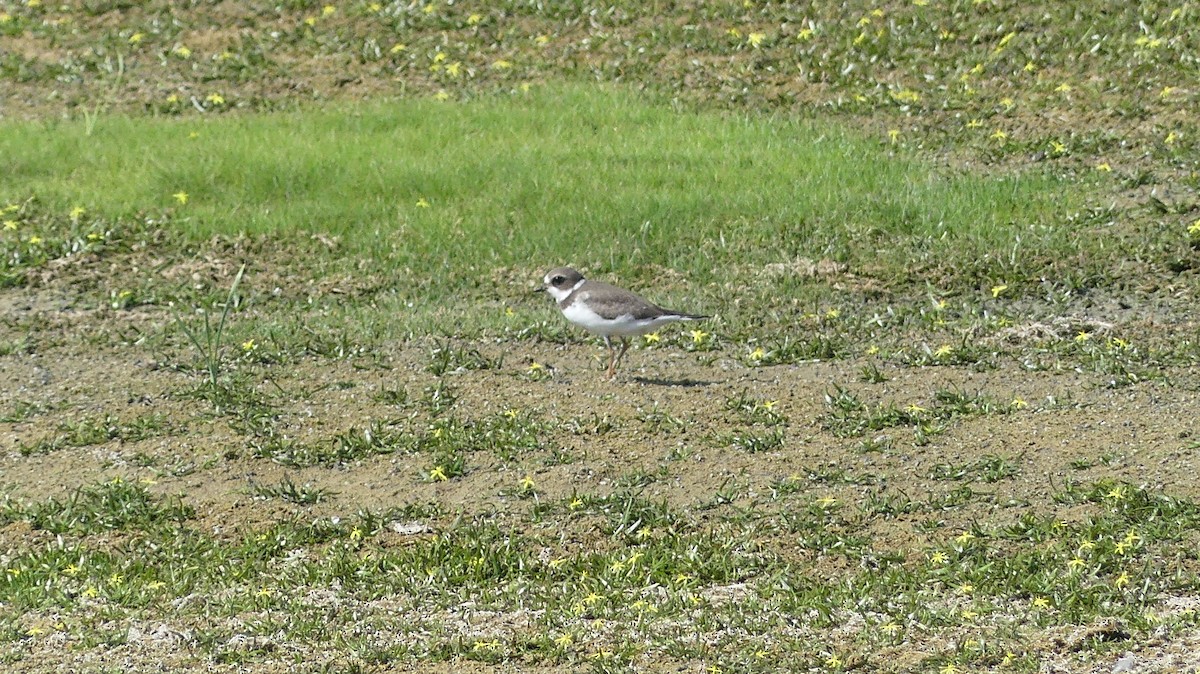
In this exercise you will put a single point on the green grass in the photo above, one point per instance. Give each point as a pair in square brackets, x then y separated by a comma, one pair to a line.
[595, 177]
[940, 199]
[997, 584]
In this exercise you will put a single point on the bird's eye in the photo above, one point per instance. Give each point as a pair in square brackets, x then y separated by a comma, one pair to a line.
[558, 280]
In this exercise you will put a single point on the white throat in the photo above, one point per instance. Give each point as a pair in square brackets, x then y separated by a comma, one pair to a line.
[560, 294]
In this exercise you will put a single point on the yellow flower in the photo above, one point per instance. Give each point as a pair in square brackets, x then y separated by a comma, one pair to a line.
[1041, 602]
[769, 405]
[136, 38]
[527, 484]
[474, 20]
[1083, 336]
[1057, 147]
[1122, 580]
[181, 197]
[1030, 66]
[755, 39]
[35, 240]
[872, 350]
[653, 338]
[542, 40]
[915, 409]
[1104, 167]
[698, 336]
[182, 51]
[949, 668]
[943, 351]
[215, 98]
[1075, 563]
[997, 289]
[422, 203]
[999, 134]
[826, 501]
[1171, 138]
[77, 212]
[1063, 88]
[310, 21]
[564, 640]
[966, 588]
[804, 34]
[938, 557]
[965, 537]
[758, 353]
[575, 503]
[71, 570]
[501, 64]
[249, 345]
[441, 95]
[328, 10]
[1166, 91]
[833, 661]
[1019, 403]
[454, 69]
[1194, 228]
[428, 9]
[535, 366]
[10, 225]
[356, 534]
[438, 474]
[263, 592]
[894, 135]
[398, 47]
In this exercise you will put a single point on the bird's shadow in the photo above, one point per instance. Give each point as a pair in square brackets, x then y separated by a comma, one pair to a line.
[685, 383]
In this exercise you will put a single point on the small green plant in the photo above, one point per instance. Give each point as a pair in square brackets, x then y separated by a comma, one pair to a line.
[289, 491]
[209, 341]
[113, 505]
[872, 374]
[449, 358]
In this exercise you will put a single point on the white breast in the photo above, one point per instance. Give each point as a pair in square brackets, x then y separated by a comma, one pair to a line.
[621, 326]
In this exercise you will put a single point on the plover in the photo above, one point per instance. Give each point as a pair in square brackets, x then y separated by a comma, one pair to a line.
[607, 310]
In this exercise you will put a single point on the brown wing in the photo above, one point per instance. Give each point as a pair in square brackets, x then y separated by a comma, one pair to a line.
[610, 301]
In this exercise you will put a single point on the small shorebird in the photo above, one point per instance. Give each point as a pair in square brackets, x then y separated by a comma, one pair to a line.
[607, 310]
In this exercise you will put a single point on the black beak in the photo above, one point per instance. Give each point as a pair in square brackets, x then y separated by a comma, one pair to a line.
[540, 289]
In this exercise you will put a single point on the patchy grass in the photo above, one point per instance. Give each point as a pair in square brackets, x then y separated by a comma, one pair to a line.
[941, 420]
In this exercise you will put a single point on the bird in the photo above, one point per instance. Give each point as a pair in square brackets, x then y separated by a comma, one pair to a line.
[607, 310]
